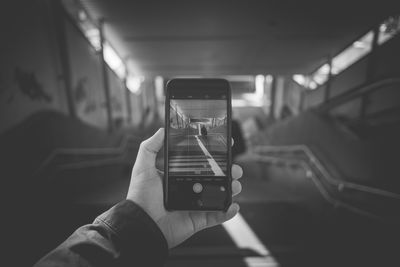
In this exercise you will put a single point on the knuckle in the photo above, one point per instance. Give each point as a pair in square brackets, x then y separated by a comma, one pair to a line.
[143, 144]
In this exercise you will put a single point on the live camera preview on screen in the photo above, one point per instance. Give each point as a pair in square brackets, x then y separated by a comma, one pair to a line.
[198, 137]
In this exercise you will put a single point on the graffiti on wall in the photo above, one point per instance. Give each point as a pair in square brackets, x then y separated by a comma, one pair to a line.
[80, 91]
[116, 104]
[90, 107]
[81, 95]
[29, 85]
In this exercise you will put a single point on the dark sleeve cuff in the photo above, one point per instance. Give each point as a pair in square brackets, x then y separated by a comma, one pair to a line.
[135, 234]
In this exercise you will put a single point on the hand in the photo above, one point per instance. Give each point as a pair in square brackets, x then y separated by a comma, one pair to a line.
[146, 190]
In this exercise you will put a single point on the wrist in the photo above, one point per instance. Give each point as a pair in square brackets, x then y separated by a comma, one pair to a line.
[128, 224]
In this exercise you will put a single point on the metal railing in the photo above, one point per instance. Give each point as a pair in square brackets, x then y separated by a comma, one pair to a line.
[112, 155]
[338, 183]
[362, 91]
[312, 161]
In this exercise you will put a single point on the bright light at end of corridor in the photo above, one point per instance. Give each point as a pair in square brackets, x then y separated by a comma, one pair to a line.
[236, 103]
[159, 84]
[256, 99]
[268, 79]
[260, 85]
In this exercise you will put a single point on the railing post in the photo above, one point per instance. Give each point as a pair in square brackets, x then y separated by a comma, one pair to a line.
[363, 105]
[328, 82]
[371, 67]
[128, 102]
[64, 56]
[302, 100]
[105, 78]
[273, 96]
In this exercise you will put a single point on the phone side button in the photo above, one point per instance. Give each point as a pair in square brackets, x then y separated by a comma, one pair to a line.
[197, 188]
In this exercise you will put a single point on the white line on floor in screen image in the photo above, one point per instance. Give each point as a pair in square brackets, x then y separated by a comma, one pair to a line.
[214, 165]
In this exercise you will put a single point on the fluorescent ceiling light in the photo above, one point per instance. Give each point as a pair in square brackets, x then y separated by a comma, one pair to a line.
[113, 60]
[300, 79]
[82, 15]
[259, 86]
[159, 84]
[239, 103]
[133, 83]
[93, 36]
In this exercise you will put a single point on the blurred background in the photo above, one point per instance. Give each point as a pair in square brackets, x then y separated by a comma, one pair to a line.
[316, 107]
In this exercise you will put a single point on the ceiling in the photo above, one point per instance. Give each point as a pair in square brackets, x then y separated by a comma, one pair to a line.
[227, 37]
[201, 108]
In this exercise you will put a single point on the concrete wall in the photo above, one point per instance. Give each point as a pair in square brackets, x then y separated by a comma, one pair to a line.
[353, 76]
[33, 73]
[137, 109]
[288, 97]
[149, 102]
[118, 101]
[292, 96]
[86, 78]
[30, 75]
[385, 63]
[314, 98]
[388, 59]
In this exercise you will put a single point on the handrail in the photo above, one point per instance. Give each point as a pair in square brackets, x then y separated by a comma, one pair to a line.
[340, 184]
[92, 163]
[309, 173]
[357, 92]
[104, 151]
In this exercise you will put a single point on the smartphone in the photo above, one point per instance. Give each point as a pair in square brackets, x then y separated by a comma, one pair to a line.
[197, 167]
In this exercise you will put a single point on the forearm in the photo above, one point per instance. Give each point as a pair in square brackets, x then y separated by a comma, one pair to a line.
[123, 236]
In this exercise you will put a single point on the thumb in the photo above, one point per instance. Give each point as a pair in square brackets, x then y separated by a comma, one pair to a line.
[146, 157]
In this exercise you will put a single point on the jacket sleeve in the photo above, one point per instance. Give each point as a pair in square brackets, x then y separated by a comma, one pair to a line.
[125, 235]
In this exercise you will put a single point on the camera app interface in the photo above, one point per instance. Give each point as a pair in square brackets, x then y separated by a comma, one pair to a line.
[198, 137]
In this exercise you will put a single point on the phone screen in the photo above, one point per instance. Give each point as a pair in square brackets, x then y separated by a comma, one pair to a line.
[197, 137]
[198, 149]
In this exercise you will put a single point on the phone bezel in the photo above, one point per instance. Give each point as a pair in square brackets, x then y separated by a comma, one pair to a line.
[221, 84]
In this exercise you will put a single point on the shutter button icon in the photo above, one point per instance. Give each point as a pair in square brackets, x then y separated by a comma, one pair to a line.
[197, 188]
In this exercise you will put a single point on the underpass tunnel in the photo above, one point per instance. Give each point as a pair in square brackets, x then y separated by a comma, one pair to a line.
[315, 122]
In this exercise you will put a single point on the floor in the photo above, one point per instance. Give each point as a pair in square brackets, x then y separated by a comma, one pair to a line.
[284, 221]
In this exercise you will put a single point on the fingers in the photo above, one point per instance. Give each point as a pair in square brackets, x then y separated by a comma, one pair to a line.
[148, 150]
[215, 218]
[237, 171]
[236, 188]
